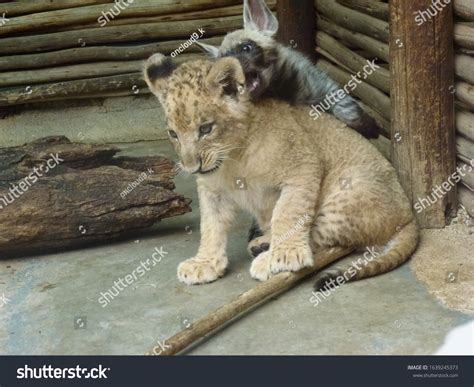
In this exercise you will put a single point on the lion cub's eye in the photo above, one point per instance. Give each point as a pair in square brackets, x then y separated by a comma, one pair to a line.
[205, 129]
[172, 134]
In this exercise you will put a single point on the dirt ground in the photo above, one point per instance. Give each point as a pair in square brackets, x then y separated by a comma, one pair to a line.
[444, 262]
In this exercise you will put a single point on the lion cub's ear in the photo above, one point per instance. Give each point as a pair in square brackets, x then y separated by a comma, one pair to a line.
[226, 78]
[156, 72]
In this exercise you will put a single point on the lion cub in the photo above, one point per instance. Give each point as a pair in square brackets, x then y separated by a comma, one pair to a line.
[308, 187]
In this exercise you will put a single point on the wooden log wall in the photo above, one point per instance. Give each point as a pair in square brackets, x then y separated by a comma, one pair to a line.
[464, 98]
[350, 34]
[65, 50]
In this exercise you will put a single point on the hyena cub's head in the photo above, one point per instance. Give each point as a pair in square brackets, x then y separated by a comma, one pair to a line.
[254, 46]
[206, 104]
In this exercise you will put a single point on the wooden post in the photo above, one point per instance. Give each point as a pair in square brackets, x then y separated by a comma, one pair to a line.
[422, 104]
[297, 25]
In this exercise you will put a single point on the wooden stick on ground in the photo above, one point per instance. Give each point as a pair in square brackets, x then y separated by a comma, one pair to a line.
[244, 303]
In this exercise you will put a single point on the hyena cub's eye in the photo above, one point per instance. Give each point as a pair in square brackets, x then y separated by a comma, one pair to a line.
[172, 134]
[205, 129]
[247, 47]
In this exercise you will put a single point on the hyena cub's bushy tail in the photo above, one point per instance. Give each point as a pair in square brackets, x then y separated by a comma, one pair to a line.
[395, 252]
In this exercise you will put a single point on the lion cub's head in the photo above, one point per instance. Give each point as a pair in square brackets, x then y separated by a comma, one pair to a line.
[205, 104]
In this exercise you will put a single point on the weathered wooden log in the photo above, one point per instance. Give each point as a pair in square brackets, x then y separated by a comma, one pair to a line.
[464, 67]
[465, 93]
[234, 10]
[354, 20]
[465, 148]
[242, 304]
[28, 7]
[297, 25]
[96, 54]
[373, 8]
[330, 58]
[466, 51]
[368, 94]
[125, 84]
[466, 197]
[464, 35]
[371, 45]
[464, 9]
[55, 195]
[380, 78]
[66, 73]
[82, 88]
[465, 123]
[423, 131]
[128, 33]
[468, 178]
[101, 13]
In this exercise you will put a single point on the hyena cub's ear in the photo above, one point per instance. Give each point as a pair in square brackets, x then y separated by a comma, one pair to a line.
[226, 78]
[156, 72]
[258, 17]
[211, 51]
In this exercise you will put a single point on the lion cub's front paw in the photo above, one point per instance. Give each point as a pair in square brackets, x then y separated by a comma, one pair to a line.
[197, 270]
[290, 258]
[260, 267]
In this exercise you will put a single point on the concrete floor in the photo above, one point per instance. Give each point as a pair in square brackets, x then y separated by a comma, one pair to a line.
[52, 300]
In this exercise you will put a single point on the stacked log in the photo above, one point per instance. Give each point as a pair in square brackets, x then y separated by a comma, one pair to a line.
[350, 34]
[94, 48]
[464, 93]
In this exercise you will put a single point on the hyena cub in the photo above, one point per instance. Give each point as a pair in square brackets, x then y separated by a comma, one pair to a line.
[281, 72]
[333, 183]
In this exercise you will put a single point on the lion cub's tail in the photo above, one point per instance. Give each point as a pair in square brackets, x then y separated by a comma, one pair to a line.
[395, 252]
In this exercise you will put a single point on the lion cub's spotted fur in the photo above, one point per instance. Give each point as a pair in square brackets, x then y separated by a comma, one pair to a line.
[333, 183]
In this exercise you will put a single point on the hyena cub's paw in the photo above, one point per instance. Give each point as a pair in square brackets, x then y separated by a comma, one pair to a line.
[198, 270]
[260, 267]
[290, 258]
[258, 245]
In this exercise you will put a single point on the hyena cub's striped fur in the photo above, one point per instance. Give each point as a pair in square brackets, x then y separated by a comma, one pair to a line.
[295, 169]
[280, 72]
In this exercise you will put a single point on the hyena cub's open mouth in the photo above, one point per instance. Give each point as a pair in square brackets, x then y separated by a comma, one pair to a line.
[253, 82]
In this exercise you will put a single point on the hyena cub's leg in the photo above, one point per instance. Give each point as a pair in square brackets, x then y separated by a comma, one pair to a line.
[259, 241]
[260, 232]
[211, 260]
